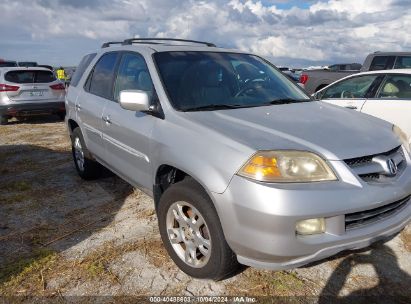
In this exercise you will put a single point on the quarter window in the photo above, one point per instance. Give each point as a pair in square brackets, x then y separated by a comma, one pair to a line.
[101, 82]
[356, 87]
[81, 69]
[396, 86]
[133, 75]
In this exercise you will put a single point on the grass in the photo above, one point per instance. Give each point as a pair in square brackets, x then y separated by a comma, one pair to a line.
[14, 274]
[18, 186]
[262, 283]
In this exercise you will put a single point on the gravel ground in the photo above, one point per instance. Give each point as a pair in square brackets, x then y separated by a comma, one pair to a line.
[61, 236]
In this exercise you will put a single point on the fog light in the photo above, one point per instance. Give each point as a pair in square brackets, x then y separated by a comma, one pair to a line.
[311, 226]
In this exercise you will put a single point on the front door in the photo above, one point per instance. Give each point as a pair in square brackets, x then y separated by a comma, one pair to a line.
[350, 93]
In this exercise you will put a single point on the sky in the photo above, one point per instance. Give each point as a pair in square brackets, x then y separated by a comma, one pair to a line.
[288, 33]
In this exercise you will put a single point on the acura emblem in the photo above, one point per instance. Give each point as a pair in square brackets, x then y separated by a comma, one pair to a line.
[392, 166]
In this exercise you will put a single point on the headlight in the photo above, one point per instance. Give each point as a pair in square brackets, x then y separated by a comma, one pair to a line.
[405, 140]
[287, 167]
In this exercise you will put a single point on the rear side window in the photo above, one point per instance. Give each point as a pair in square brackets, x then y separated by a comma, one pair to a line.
[382, 63]
[403, 62]
[75, 79]
[101, 82]
[28, 76]
[396, 86]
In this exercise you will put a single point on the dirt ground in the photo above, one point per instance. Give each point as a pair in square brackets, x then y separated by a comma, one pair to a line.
[61, 236]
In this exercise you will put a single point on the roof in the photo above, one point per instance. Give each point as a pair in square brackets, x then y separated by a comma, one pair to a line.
[171, 47]
[390, 53]
[7, 69]
[164, 45]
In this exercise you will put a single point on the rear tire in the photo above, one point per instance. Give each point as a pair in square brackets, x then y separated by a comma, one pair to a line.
[86, 167]
[192, 234]
[4, 120]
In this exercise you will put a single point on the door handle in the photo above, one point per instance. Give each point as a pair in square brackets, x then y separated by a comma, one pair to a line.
[106, 119]
[78, 107]
[352, 107]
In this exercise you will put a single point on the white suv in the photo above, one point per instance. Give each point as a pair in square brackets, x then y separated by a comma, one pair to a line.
[30, 91]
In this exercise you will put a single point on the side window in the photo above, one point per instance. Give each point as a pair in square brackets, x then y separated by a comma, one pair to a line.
[81, 69]
[396, 86]
[355, 87]
[403, 62]
[382, 63]
[101, 82]
[133, 75]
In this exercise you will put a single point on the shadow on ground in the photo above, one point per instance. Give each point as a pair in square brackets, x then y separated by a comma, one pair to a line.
[37, 119]
[46, 208]
[392, 286]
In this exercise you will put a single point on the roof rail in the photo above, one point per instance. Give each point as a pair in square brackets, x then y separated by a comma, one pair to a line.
[107, 44]
[150, 41]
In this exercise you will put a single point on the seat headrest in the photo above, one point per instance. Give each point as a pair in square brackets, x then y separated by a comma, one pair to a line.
[390, 88]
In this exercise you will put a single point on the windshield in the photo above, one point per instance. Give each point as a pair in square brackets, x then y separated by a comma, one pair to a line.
[210, 80]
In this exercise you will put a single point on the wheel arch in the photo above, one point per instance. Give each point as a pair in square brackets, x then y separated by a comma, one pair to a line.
[72, 124]
[167, 175]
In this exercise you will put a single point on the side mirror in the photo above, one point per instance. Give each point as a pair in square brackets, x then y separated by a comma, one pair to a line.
[134, 100]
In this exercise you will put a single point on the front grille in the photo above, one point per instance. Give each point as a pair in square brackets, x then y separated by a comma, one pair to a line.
[359, 219]
[370, 170]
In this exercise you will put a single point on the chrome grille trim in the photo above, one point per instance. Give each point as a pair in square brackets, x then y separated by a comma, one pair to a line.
[369, 169]
[366, 217]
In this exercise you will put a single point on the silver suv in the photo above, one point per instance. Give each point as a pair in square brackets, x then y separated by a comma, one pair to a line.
[243, 167]
[30, 91]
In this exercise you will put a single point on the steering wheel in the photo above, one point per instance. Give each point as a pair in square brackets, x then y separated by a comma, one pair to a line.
[347, 94]
[250, 85]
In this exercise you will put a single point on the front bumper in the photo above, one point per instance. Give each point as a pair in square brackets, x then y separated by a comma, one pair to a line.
[259, 219]
[16, 109]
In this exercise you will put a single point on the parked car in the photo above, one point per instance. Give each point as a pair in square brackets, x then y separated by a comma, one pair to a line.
[384, 94]
[314, 80]
[27, 64]
[292, 76]
[49, 67]
[387, 61]
[29, 91]
[243, 166]
[7, 63]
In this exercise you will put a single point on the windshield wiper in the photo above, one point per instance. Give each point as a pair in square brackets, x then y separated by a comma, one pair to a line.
[287, 101]
[215, 107]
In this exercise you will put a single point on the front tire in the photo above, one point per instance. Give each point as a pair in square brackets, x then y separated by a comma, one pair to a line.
[86, 167]
[192, 233]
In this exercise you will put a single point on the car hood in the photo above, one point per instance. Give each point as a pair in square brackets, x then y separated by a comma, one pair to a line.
[335, 133]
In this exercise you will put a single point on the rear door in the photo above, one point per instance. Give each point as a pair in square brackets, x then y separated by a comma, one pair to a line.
[34, 86]
[92, 100]
[351, 92]
[392, 101]
[127, 134]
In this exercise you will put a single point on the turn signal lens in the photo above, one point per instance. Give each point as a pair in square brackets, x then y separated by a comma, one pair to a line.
[287, 167]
